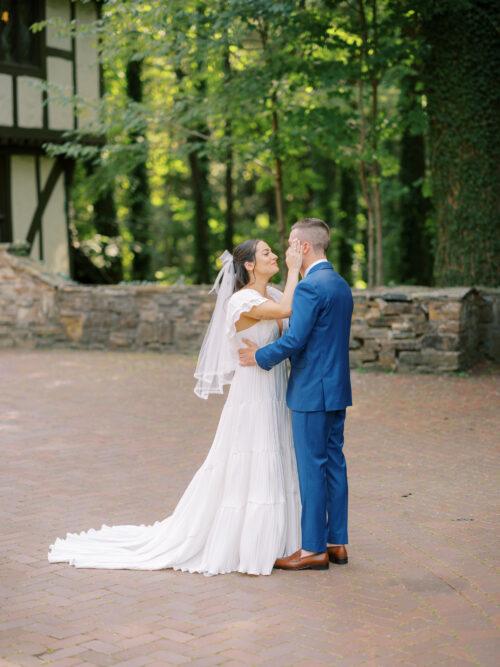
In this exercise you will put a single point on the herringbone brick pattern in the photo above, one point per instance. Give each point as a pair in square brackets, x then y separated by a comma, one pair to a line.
[96, 437]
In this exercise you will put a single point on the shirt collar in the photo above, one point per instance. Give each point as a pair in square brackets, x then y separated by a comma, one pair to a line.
[318, 261]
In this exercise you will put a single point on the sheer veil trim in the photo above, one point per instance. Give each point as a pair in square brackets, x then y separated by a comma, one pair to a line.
[216, 361]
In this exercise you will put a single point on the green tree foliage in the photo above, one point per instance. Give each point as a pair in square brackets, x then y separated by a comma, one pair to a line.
[249, 114]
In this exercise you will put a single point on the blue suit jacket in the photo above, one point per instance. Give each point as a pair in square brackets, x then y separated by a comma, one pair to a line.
[317, 343]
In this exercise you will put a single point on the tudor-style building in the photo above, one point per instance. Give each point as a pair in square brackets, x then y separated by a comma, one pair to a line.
[34, 187]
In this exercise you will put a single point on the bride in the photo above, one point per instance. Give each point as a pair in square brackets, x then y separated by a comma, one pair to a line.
[241, 510]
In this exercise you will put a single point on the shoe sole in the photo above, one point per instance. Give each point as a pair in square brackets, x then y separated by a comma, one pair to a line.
[307, 567]
[338, 561]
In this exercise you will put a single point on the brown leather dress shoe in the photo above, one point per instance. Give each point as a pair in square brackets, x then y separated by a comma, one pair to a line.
[338, 555]
[298, 562]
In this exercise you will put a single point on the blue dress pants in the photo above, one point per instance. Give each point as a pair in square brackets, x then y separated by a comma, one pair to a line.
[319, 439]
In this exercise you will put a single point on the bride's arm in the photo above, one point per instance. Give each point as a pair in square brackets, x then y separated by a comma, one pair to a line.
[271, 310]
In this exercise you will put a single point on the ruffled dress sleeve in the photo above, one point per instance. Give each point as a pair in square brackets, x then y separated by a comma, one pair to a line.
[241, 302]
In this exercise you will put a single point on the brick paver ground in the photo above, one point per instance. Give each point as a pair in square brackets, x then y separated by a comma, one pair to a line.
[96, 437]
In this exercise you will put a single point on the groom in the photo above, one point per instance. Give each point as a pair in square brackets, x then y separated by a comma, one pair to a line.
[319, 390]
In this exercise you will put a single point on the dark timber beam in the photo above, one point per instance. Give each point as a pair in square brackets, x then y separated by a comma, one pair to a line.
[5, 203]
[59, 53]
[45, 195]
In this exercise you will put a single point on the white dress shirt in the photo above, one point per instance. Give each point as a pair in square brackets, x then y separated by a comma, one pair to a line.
[318, 261]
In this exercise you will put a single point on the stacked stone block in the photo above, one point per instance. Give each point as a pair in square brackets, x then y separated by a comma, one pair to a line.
[416, 328]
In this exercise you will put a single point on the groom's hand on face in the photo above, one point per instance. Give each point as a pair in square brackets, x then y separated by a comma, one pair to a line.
[247, 354]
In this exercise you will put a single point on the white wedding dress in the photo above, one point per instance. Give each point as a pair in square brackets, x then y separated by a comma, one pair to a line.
[241, 510]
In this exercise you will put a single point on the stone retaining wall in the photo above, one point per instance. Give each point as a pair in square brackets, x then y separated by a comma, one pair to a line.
[425, 329]
[39, 309]
[399, 329]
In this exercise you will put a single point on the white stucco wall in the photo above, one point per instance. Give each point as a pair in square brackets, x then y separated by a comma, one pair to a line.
[60, 73]
[55, 236]
[58, 9]
[87, 66]
[29, 102]
[24, 199]
[23, 195]
[6, 100]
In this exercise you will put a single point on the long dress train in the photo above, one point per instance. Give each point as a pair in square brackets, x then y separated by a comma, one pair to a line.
[241, 510]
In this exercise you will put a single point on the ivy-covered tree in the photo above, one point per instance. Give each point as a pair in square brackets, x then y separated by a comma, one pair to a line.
[462, 61]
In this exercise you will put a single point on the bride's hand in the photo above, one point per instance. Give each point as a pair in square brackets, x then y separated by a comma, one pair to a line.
[294, 255]
[247, 354]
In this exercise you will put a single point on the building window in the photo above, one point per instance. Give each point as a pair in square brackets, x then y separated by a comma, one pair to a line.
[20, 48]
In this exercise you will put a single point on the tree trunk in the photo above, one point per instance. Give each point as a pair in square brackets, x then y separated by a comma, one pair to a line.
[278, 192]
[229, 228]
[228, 185]
[461, 74]
[365, 188]
[364, 168]
[139, 212]
[347, 223]
[415, 247]
[199, 170]
[377, 210]
[278, 166]
[376, 170]
[199, 183]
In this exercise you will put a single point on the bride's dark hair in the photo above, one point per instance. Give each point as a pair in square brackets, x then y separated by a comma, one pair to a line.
[244, 252]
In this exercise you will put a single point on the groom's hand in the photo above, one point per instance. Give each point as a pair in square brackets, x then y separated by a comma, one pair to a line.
[247, 354]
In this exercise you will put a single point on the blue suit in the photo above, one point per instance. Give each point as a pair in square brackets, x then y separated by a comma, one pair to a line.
[319, 390]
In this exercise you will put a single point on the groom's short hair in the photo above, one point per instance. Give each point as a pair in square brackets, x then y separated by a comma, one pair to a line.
[315, 231]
